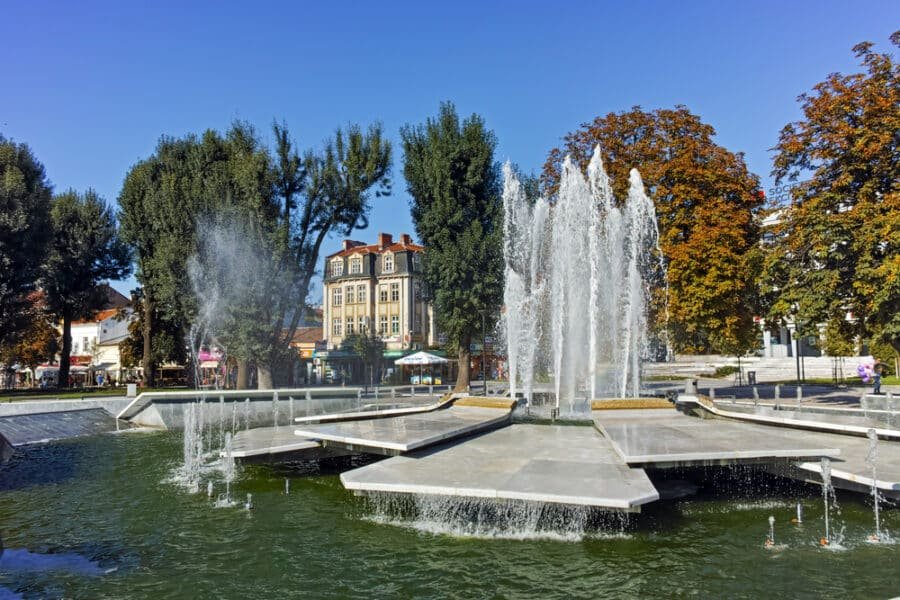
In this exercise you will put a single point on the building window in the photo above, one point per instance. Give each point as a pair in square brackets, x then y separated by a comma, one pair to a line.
[395, 324]
[336, 326]
[350, 294]
[361, 294]
[416, 262]
[362, 325]
[337, 296]
[355, 266]
[387, 263]
[395, 292]
[417, 322]
[382, 293]
[86, 345]
[337, 267]
[417, 292]
[349, 326]
[382, 325]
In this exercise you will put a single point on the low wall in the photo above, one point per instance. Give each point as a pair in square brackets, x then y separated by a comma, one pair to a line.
[256, 408]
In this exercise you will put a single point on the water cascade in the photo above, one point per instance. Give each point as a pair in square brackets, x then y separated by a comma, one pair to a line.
[578, 275]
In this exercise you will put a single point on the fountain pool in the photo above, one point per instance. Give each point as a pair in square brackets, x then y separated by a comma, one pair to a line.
[108, 499]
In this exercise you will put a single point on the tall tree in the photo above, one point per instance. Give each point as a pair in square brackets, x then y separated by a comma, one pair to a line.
[841, 234]
[85, 250]
[253, 223]
[454, 183]
[24, 231]
[706, 203]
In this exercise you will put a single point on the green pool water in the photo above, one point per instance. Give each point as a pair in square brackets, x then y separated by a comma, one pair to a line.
[107, 498]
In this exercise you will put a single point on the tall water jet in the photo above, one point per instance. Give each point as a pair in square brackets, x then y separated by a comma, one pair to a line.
[578, 272]
[871, 458]
[826, 492]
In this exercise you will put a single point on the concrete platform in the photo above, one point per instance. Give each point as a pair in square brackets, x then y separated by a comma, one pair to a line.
[539, 463]
[667, 438]
[850, 471]
[264, 441]
[405, 433]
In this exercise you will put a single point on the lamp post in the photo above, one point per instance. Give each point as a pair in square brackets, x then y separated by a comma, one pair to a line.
[484, 350]
[797, 342]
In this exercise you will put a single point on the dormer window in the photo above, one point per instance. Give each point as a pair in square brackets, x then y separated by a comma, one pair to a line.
[356, 265]
[387, 263]
[337, 267]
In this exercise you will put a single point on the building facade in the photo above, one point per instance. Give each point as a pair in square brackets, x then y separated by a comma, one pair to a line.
[377, 288]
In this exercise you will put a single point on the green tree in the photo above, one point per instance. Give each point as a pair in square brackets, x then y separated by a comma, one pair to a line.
[456, 205]
[252, 223]
[840, 250]
[85, 250]
[370, 349]
[24, 231]
[706, 204]
[168, 340]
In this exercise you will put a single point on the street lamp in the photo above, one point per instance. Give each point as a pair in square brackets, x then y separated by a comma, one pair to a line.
[484, 350]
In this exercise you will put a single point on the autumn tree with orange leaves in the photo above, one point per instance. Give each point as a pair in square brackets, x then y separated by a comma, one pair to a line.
[840, 250]
[706, 202]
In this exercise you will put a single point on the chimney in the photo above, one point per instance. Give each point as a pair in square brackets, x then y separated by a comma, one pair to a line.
[384, 240]
[405, 239]
[348, 244]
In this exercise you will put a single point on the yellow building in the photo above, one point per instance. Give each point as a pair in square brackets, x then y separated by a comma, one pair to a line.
[378, 288]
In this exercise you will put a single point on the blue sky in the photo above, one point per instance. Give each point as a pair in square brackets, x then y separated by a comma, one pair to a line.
[91, 85]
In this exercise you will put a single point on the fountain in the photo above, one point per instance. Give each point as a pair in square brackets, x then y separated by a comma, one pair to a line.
[578, 273]
[770, 541]
[829, 499]
[871, 458]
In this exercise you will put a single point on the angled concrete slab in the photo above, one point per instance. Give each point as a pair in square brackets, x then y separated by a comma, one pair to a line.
[263, 441]
[667, 438]
[539, 463]
[793, 419]
[405, 433]
[19, 430]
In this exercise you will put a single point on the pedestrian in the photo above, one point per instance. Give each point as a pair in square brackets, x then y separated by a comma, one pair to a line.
[876, 377]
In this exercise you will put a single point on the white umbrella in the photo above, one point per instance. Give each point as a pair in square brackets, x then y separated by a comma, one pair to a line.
[421, 359]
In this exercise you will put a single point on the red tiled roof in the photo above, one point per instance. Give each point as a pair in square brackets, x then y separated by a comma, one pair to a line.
[375, 249]
[307, 335]
[100, 315]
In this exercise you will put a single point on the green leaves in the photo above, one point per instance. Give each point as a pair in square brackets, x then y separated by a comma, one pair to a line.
[840, 252]
[24, 232]
[455, 187]
[706, 202]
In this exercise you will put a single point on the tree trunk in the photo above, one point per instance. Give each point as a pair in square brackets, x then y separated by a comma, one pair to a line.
[147, 333]
[462, 378]
[264, 376]
[243, 374]
[64, 355]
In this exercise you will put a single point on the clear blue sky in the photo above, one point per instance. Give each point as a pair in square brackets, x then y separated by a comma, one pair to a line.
[92, 85]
